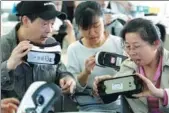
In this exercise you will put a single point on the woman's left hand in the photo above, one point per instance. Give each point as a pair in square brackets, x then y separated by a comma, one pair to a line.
[149, 88]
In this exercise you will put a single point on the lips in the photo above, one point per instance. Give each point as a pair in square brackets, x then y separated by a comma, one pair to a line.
[43, 38]
[93, 38]
[137, 61]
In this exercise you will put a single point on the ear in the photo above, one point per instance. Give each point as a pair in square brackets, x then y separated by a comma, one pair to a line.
[26, 21]
[157, 43]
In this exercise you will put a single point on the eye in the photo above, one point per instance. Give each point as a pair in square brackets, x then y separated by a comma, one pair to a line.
[96, 25]
[137, 46]
[52, 24]
[44, 23]
[127, 46]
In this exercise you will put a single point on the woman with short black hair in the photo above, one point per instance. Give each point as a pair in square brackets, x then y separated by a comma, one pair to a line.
[81, 61]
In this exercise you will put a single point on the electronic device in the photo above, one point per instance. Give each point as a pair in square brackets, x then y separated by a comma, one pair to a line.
[107, 59]
[44, 54]
[39, 97]
[110, 89]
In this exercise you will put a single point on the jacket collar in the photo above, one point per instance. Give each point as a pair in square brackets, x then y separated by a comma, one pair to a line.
[12, 36]
[166, 58]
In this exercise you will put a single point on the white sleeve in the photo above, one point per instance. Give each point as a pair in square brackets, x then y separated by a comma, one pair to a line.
[73, 65]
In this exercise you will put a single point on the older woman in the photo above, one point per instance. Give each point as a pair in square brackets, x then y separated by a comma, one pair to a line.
[148, 58]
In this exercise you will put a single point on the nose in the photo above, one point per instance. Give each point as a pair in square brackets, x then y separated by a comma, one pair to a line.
[92, 31]
[49, 28]
[132, 53]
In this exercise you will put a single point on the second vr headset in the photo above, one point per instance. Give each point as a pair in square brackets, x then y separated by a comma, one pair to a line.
[110, 89]
[107, 59]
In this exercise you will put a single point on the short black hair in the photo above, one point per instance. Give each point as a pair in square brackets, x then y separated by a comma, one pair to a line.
[86, 13]
[162, 30]
[148, 32]
[145, 28]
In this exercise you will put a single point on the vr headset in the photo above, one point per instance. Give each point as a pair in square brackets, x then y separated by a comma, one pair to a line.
[107, 59]
[44, 54]
[39, 98]
[110, 89]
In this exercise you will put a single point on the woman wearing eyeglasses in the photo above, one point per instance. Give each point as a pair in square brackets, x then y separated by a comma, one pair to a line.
[148, 58]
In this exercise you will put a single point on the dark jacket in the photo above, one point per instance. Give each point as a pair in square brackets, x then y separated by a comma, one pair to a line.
[15, 83]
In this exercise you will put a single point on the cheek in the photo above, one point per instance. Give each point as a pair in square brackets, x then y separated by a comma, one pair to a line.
[37, 30]
[146, 55]
[101, 29]
[84, 34]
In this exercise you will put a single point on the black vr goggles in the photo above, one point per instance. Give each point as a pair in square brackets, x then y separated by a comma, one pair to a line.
[107, 59]
[44, 54]
[110, 89]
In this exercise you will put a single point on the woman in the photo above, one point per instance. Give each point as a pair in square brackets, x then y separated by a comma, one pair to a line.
[142, 42]
[81, 61]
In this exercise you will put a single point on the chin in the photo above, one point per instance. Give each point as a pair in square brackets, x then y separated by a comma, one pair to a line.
[42, 41]
[96, 40]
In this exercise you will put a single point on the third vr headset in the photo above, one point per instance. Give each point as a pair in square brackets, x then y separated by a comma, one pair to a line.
[108, 59]
[110, 89]
[39, 98]
[44, 54]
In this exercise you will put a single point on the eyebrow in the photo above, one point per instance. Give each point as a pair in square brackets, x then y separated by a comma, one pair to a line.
[96, 22]
[133, 43]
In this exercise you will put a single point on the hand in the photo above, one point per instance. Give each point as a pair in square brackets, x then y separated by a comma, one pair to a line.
[9, 105]
[149, 89]
[89, 65]
[68, 85]
[70, 32]
[69, 26]
[97, 80]
[17, 54]
[108, 18]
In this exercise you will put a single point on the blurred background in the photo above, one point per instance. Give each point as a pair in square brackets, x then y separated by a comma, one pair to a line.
[157, 11]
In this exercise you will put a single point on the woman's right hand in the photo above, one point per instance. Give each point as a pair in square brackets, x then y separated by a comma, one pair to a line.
[108, 18]
[89, 64]
[99, 79]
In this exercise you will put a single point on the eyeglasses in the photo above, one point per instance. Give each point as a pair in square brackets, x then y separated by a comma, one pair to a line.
[134, 48]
